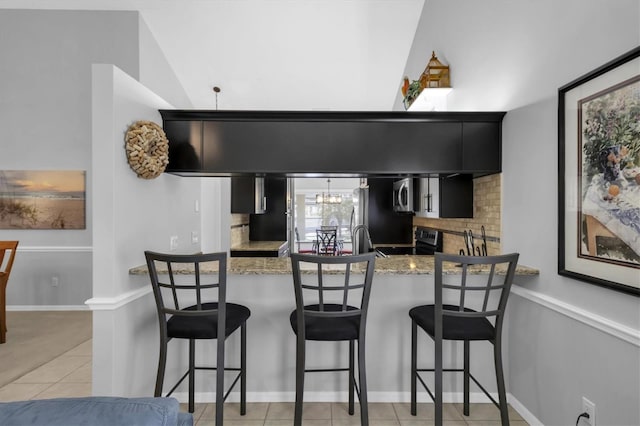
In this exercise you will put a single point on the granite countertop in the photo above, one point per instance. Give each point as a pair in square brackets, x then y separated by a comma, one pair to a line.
[398, 265]
[259, 246]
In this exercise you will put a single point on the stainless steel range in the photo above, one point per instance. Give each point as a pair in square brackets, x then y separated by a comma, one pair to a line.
[428, 241]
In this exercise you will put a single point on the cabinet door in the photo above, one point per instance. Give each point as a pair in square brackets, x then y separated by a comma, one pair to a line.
[481, 147]
[272, 224]
[456, 196]
[385, 225]
[247, 195]
[185, 145]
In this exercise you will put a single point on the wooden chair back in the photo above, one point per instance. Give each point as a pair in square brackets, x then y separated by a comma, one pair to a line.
[7, 256]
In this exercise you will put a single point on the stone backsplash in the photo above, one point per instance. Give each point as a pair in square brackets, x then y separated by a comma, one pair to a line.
[487, 208]
[239, 229]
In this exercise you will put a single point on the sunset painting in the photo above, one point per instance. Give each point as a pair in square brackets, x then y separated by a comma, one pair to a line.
[42, 199]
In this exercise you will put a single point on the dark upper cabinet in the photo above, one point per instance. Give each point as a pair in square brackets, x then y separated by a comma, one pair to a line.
[456, 196]
[248, 195]
[481, 147]
[292, 143]
[272, 224]
[185, 145]
[444, 196]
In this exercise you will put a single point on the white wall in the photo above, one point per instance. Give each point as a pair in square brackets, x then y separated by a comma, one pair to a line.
[131, 215]
[513, 56]
[45, 116]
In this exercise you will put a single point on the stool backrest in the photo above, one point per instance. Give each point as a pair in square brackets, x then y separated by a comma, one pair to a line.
[482, 285]
[337, 280]
[177, 281]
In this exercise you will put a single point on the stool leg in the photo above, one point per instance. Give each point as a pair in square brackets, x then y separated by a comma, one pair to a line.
[192, 384]
[300, 354]
[362, 378]
[438, 375]
[502, 394]
[414, 367]
[351, 375]
[162, 361]
[243, 367]
[220, 380]
[466, 378]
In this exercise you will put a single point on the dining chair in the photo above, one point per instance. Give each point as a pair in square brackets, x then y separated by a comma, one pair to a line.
[464, 304]
[7, 256]
[332, 301]
[184, 314]
[312, 250]
[327, 241]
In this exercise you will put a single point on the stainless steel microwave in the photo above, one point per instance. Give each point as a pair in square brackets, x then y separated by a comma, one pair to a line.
[403, 195]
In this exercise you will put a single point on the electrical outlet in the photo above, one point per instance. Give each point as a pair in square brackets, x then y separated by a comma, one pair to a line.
[194, 237]
[173, 242]
[55, 281]
[589, 408]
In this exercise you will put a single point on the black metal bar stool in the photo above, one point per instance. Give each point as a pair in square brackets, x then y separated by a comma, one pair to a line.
[330, 310]
[463, 306]
[183, 314]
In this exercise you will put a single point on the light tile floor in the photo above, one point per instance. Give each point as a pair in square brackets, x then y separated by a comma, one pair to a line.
[69, 375]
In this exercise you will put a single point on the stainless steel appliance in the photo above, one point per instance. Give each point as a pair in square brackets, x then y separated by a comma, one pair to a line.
[428, 197]
[428, 241]
[403, 195]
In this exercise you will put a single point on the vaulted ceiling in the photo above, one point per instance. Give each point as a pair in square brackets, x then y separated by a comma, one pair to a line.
[277, 54]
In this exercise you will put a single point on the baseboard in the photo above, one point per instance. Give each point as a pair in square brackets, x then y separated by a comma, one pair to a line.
[522, 410]
[423, 397]
[17, 308]
[389, 397]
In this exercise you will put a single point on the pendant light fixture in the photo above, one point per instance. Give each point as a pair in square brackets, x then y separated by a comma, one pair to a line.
[328, 198]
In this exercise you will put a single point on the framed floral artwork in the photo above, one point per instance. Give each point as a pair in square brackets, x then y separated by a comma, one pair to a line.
[599, 176]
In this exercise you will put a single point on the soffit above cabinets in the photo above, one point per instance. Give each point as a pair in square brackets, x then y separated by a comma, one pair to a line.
[295, 143]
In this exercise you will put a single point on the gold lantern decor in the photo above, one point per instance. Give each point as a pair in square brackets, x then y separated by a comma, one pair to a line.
[430, 90]
[435, 75]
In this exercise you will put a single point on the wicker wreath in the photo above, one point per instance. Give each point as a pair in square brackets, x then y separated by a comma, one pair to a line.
[147, 149]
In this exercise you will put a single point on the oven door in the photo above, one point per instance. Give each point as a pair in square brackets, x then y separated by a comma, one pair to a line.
[425, 248]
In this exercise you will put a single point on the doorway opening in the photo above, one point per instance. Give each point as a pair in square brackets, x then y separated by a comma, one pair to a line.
[318, 202]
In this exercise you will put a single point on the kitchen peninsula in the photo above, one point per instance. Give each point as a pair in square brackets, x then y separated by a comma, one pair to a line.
[265, 286]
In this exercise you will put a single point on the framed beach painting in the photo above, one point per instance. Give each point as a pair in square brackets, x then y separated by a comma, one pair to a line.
[599, 176]
[42, 199]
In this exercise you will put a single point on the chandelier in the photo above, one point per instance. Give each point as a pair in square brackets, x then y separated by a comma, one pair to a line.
[328, 198]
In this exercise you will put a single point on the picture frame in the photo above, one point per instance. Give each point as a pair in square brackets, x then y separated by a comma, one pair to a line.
[43, 199]
[599, 176]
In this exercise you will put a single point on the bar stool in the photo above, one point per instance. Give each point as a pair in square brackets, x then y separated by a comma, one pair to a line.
[463, 315]
[329, 310]
[202, 320]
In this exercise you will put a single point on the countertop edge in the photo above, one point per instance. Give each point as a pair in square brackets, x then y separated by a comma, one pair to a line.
[392, 265]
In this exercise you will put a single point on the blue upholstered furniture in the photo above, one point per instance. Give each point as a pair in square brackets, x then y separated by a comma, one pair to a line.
[95, 411]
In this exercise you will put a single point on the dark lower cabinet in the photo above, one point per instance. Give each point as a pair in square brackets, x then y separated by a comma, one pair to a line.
[385, 225]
